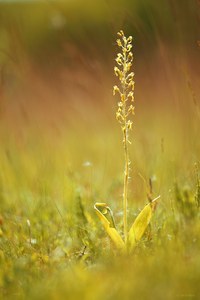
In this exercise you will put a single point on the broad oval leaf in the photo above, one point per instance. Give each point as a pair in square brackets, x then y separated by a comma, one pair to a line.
[106, 216]
[140, 224]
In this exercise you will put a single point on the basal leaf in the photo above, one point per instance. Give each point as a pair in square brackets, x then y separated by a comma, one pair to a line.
[106, 216]
[140, 224]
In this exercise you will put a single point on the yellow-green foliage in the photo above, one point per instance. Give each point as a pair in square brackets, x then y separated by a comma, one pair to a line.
[125, 110]
[55, 164]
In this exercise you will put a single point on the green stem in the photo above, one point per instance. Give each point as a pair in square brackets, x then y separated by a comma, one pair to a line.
[126, 156]
[125, 143]
[126, 176]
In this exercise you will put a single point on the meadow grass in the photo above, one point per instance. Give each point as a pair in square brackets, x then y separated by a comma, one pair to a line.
[51, 243]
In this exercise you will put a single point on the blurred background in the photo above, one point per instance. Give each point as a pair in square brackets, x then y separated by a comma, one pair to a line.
[61, 148]
[56, 78]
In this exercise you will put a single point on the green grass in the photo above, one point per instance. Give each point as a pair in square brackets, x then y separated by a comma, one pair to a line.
[61, 150]
[65, 253]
